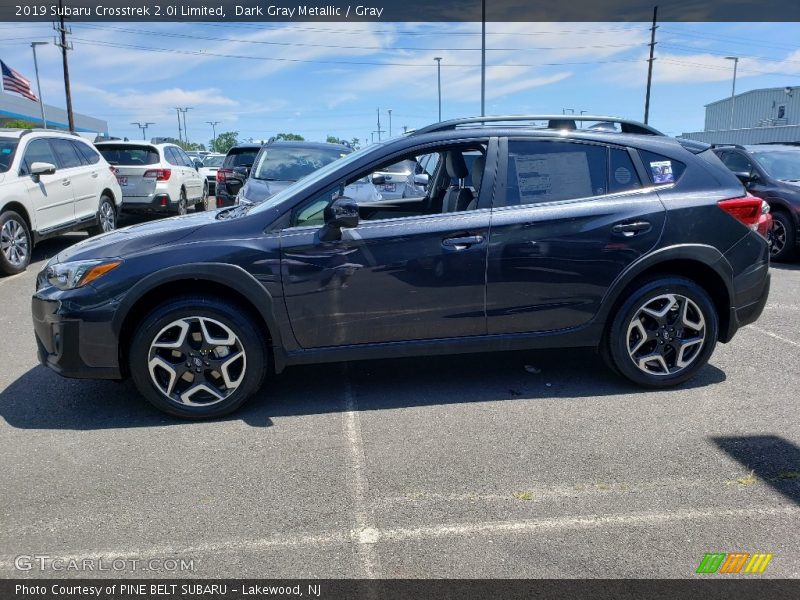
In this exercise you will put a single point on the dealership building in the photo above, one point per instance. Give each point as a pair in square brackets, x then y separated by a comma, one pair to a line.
[14, 107]
[755, 117]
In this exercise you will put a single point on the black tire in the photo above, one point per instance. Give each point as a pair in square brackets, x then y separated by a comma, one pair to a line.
[160, 325]
[675, 341]
[183, 204]
[106, 217]
[16, 243]
[203, 204]
[782, 238]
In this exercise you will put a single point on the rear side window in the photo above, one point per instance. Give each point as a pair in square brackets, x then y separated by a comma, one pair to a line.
[622, 176]
[128, 155]
[172, 156]
[661, 169]
[552, 171]
[244, 157]
[38, 151]
[67, 154]
[90, 157]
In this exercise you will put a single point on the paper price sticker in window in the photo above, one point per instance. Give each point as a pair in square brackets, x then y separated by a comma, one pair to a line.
[661, 171]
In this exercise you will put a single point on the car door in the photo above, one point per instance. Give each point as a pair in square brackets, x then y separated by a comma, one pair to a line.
[50, 195]
[417, 277]
[568, 220]
[97, 173]
[84, 186]
[192, 179]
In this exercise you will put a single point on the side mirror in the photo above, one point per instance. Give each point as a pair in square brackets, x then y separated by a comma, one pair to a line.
[422, 180]
[341, 213]
[242, 172]
[378, 179]
[42, 168]
[746, 177]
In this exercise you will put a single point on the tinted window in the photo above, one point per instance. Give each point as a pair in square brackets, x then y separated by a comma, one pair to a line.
[183, 158]
[213, 161]
[738, 163]
[622, 175]
[7, 148]
[780, 164]
[280, 163]
[553, 171]
[38, 151]
[67, 154]
[242, 157]
[661, 169]
[89, 156]
[172, 156]
[128, 155]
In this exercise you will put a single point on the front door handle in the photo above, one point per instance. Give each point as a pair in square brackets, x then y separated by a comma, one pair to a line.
[460, 243]
[65, 182]
[630, 229]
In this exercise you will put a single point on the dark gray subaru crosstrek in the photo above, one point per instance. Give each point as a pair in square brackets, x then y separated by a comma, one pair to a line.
[638, 244]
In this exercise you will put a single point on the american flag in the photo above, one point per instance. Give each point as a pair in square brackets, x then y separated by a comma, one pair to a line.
[14, 82]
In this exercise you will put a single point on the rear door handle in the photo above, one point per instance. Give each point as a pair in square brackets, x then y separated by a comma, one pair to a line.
[632, 228]
[65, 182]
[94, 174]
[460, 243]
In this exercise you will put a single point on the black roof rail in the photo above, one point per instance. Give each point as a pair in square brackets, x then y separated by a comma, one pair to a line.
[728, 146]
[553, 122]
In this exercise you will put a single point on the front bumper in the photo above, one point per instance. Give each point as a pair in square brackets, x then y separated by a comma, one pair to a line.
[74, 344]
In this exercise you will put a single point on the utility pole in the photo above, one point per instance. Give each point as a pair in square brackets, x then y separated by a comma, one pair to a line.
[214, 129]
[38, 85]
[483, 59]
[438, 60]
[143, 127]
[735, 60]
[61, 42]
[650, 65]
[378, 131]
[405, 128]
[180, 138]
[390, 122]
[185, 130]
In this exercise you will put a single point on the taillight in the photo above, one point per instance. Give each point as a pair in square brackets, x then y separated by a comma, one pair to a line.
[158, 174]
[746, 210]
[222, 174]
[112, 169]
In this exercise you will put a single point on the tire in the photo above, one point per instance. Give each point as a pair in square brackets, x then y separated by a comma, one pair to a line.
[668, 317]
[106, 217]
[183, 204]
[16, 243]
[203, 204]
[193, 379]
[782, 238]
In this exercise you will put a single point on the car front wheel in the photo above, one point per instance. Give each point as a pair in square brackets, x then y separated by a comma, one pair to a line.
[781, 237]
[198, 357]
[15, 243]
[663, 333]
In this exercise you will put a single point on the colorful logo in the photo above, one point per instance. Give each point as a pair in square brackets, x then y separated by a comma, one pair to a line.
[720, 562]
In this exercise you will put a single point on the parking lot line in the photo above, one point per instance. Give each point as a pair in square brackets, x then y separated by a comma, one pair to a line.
[775, 335]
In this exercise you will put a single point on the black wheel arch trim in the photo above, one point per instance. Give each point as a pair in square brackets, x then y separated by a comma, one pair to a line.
[225, 274]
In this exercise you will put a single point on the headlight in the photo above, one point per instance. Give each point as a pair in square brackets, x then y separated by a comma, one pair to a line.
[71, 275]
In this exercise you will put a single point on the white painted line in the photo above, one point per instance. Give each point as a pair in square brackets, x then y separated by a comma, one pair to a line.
[776, 336]
[365, 534]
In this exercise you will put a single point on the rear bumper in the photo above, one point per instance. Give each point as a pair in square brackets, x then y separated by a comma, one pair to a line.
[752, 293]
[159, 203]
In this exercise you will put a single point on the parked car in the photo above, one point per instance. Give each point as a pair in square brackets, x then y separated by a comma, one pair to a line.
[158, 178]
[234, 171]
[771, 172]
[50, 183]
[401, 180]
[280, 163]
[211, 164]
[645, 251]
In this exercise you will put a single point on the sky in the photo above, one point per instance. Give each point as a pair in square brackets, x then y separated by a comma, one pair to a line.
[320, 79]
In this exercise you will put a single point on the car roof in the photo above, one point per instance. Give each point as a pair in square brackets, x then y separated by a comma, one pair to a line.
[129, 143]
[19, 133]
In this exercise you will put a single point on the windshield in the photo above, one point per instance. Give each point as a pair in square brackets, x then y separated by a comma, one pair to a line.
[213, 161]
[128, 155]
[780, 164]
[278, 163]
[315, 177]
[7, 148]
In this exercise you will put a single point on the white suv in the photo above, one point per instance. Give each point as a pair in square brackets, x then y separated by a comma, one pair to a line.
[50, 183]
[156, 177]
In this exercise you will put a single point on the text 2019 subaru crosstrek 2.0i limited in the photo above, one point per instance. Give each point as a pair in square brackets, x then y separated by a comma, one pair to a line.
[638, 244]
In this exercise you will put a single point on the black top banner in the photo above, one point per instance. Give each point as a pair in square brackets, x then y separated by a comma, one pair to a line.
[402, 10]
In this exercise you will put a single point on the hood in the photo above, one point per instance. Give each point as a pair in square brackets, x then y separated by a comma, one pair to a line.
[136, 238]
[792, 185]
[258, 190]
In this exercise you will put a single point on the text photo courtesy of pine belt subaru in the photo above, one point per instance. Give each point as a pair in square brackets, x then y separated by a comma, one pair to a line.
[158, 178]
[637, 244]
[50, 183]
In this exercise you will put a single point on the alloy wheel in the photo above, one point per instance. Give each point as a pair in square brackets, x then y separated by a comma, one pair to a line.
[182, 208]
[107, 217]
[14, 243]
[197, 361]
[666, 334]
[777, 237]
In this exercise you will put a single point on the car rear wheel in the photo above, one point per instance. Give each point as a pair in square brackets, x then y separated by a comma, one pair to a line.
[781, 237]
[183, 205]
[203, 204]
[198, 357]
[15, 243]
[106, 217]
[663, 333]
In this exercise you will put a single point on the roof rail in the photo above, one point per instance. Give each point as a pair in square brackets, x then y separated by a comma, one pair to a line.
[728, 146]
[553, 122]
[27, 130]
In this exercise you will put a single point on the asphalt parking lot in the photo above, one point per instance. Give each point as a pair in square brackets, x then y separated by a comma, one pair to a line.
[467, 466]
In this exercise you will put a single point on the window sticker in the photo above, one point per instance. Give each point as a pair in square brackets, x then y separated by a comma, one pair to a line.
[622, 176]
[662, 171]
[6, 151]
[553, 176]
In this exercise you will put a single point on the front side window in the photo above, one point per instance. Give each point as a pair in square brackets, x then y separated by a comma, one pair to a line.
[8, 147]
[38, 151]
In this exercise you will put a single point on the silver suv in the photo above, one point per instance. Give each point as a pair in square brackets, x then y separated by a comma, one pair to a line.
[50, 183]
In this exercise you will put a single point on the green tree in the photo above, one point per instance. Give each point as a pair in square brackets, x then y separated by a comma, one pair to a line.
[224, 142]
[290, 137]
[332, 139]
[355, 143]
[19, 124]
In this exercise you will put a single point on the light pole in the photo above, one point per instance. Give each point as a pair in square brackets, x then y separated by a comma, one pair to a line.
[180, 138]
[185, 131]
[214, 130]
[735, 60]
[483, 59]
[38, 85]
[390, 122]
[438, 60]
[143, 127]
